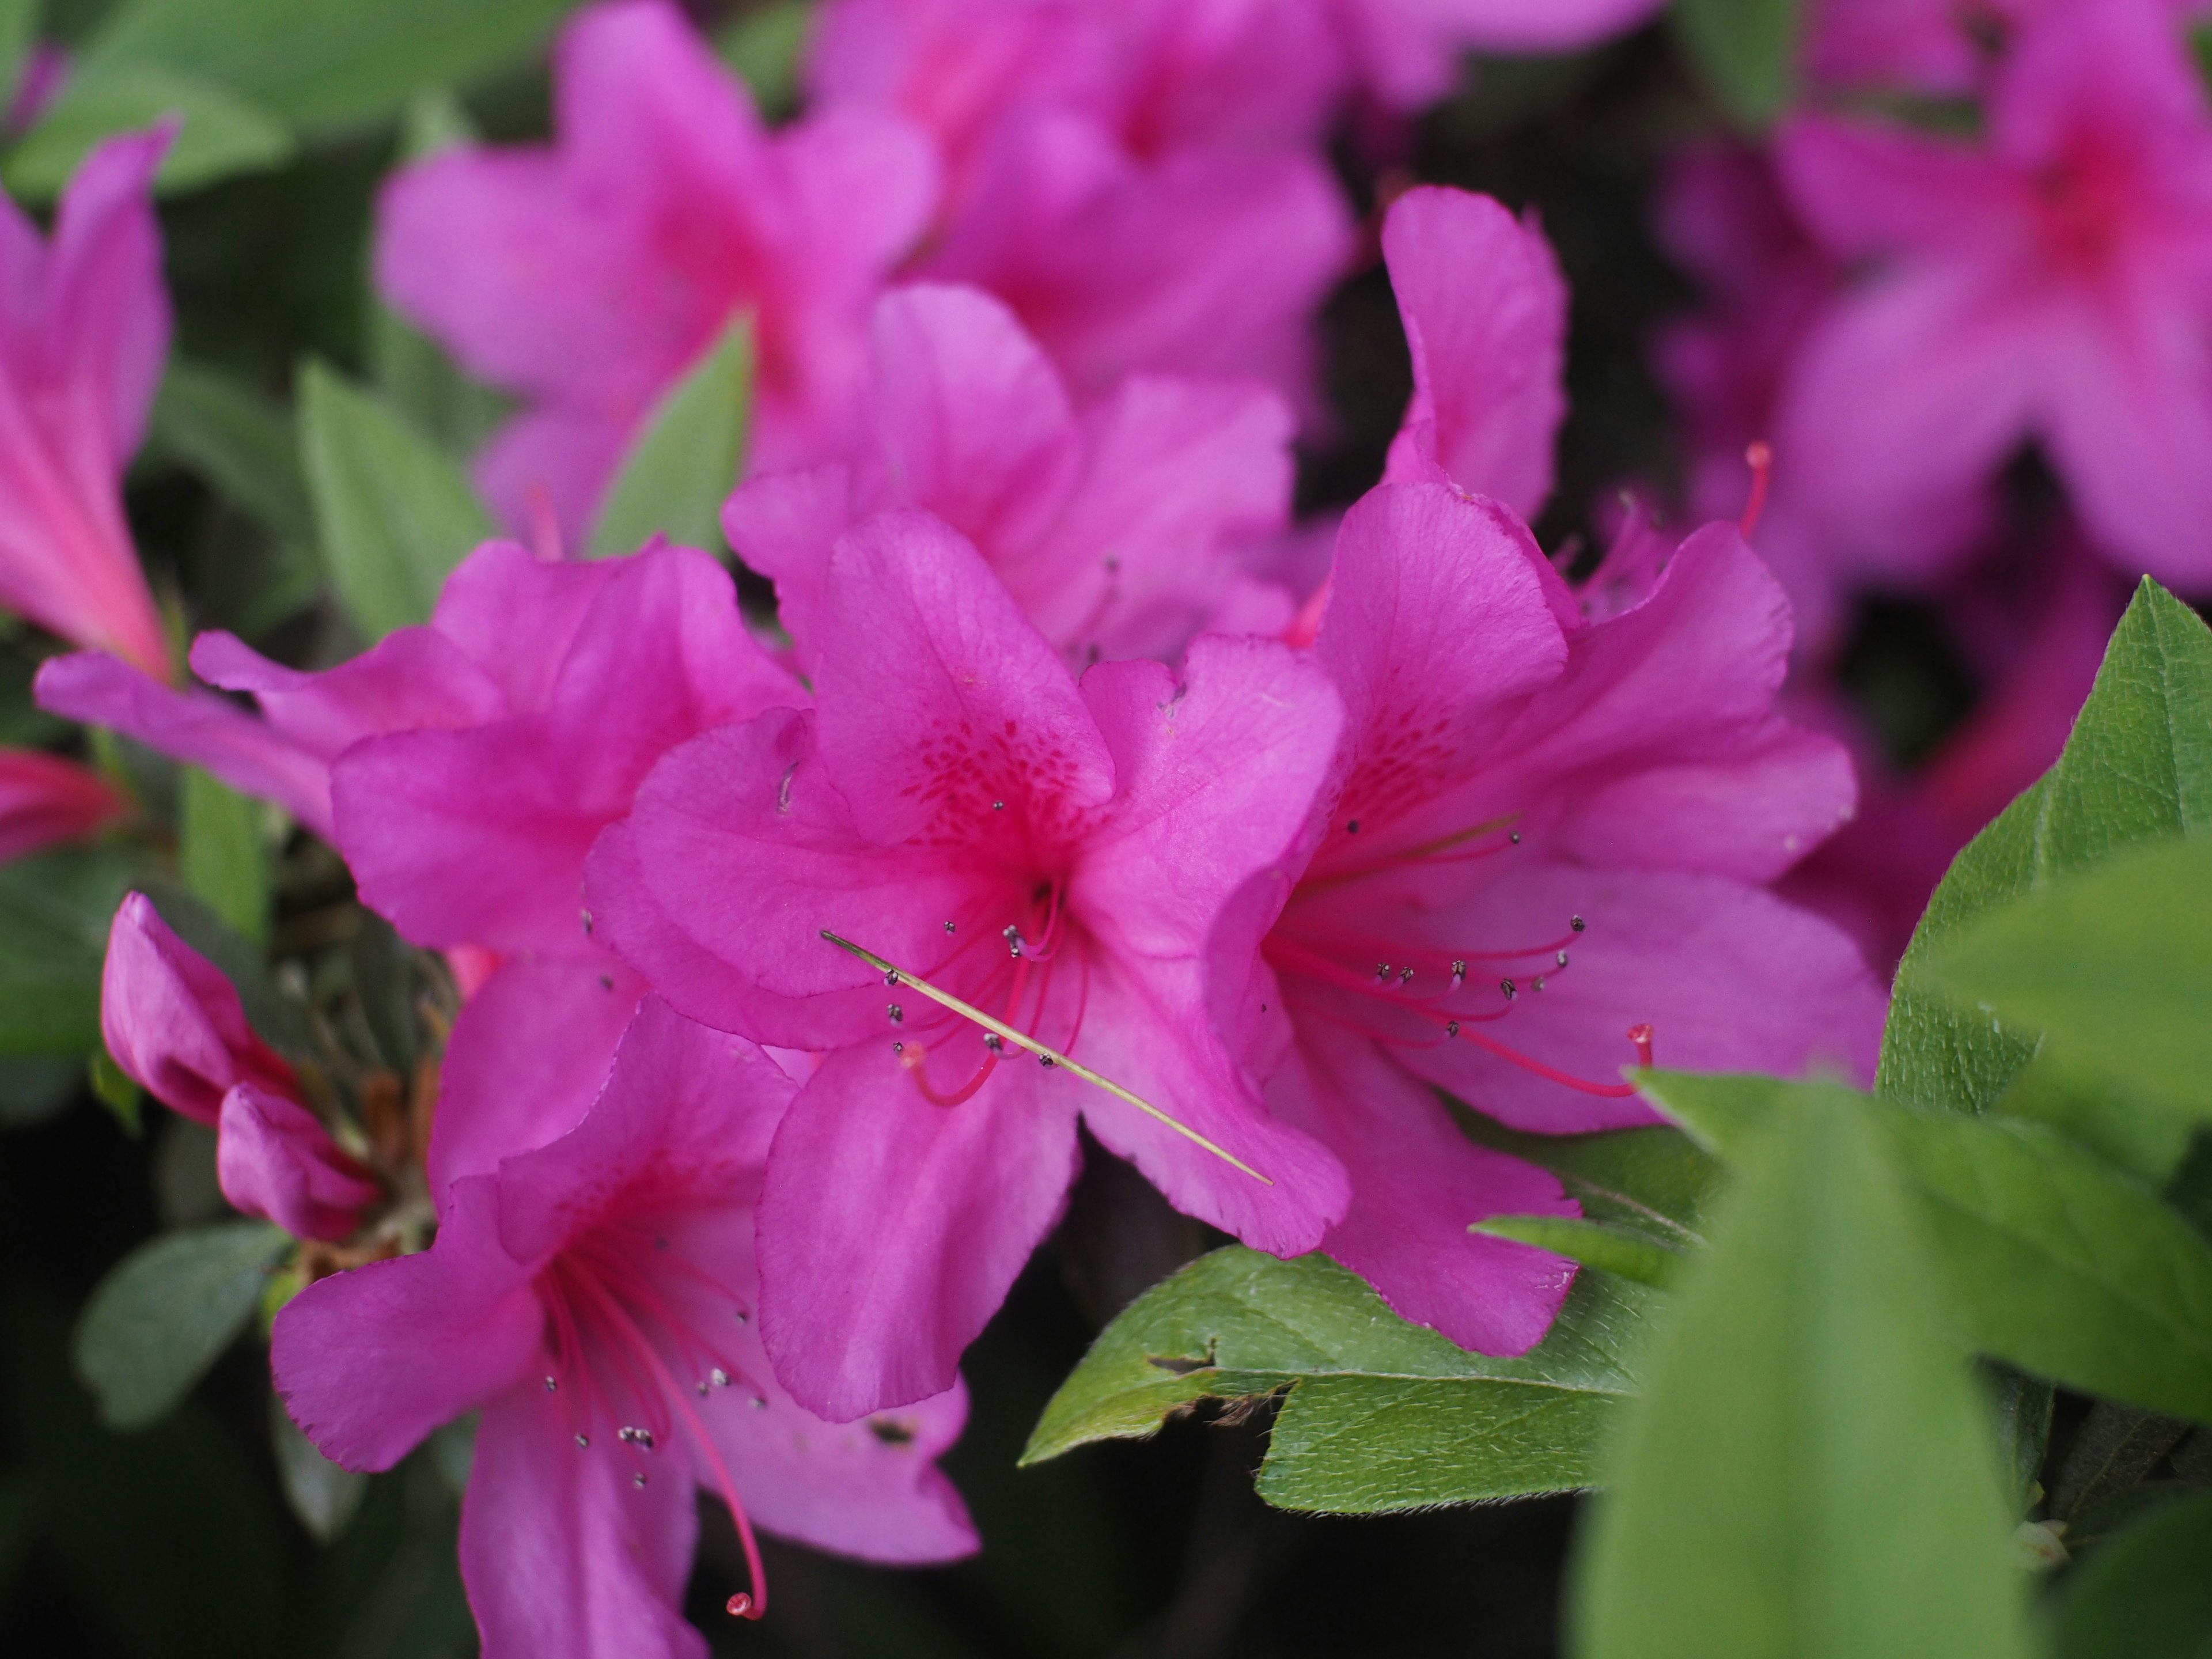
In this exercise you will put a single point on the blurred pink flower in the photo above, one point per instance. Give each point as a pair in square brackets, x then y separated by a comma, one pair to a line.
[588, 276]
[1120, 531]
[2052, 283]
[1933, 47]
[84, 328]
[1058, 855]
[1545, 834]
[1408, 51]
[44, 799]
[593, 1298]
[175, 1026]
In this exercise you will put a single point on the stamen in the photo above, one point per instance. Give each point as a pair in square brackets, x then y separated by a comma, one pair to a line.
[1021, 1040]
[1760, 457]
[1640, 1034]
[915, 1056]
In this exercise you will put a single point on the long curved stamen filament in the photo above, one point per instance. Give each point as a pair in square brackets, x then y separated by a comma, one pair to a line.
[1051, 1056]
[1423, 853]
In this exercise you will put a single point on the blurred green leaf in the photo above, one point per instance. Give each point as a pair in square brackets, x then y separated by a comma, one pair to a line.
[2133, 1135]
[55, 908]
[2114, 1449]
[223, 134]
[115, 1089]
[762, 46]
[683, 462]
[324, 66]
[2113, 965]
[1745, 51]
[221, 851]
[19, 28]
[324, 1497]
[2055, 1263]
[238, 439]
[383, 978]
[392, 514]
[34, 1091]
[1379, 1415]
[166, 1313]
[2138, 767]
[2146, 1595]
[1810, 1470]
[1601, 1245]
[1656, 1181]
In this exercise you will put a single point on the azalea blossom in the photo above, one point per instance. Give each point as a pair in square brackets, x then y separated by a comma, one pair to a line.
[44, 800]
[174, 1025]
[1545, 855]
[2046, 284]
[1054, 855]
[593, 1298]
[1120, 530]
[1408, 50]
[84, 329]
[588, 276]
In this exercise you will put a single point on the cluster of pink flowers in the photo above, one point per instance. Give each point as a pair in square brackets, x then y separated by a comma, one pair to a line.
[791, 968]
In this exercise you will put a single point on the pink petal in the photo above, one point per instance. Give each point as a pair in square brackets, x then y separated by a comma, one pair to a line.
[370, 1360]
[1417, 1184]
[274, 1158]
[891, 1229]
[1486, 315]
[412, 678]
[44, 799]
[783, 526]
[1863, 189]
[173, 1023]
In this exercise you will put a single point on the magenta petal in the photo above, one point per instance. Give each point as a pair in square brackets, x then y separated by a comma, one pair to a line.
[274, 1158]
[1486, 315]
[1418, 1182]
[370, 1360]
[174, 1023]
[565, 1556]
[245, 752]
[784, 526]
[44, 799]
[891, 1229]
[529, 1054]
[413, 678]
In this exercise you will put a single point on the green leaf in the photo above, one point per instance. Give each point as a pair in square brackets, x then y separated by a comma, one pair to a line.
[2147, 1595]
[2130, 1133]
[1656, 1181]
[55, 908]
[238, 439]
[2112, 1452]
[685, 460]
[1810, 1471]
[393, 514]
[1745, 51]
[166, 1313]
[19, 28]
[118, 1091]
[324, 66]
[1602, 1244]
[1378, 1414]
[324, 1497]
[2113, 966]
[221, 853]
[223, 134]
[762, 46]
[2138, 767]
[2055, 1262]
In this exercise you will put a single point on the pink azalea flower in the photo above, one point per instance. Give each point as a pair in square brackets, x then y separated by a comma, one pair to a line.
[1408, 50]
[84, 328]
[1548, 837]
[2049, 284]
[586, 277]
[174, 1025]
[1058, 855]
[1120, 532]
[1933, 46]
[593, 1298]
[44, 799]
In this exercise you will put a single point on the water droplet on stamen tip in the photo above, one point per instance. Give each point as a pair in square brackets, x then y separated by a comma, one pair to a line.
[585, 917]
[994, 1043]
[1537, 983]
[898, 1048]
[1513, 835]
[998, 806]
[1561, 958]
[1405, 976]
[641, 1438]
[719, 1378]
[1505, 985]
[583, 1442]
[638, 1480]
[1577, 923]
[552, 1385]
[1045, 1060]
[891, 978]
[1451, 1027]
[896, 1012]
[950, 928]
[1381, 972]
[760, 1402]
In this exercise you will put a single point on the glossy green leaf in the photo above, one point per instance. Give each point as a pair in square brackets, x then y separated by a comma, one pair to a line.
[2112, 965]
[1655, 1181]
[683, 462]
[221, 850]
[167, 1312]
[223, 134]
[2055, 1262]
[1604, 1245]
[2138, 767]
[1810, 1471]
[324, 65]
[55, 908]
[2132, 1134]
[392, 512]
[1745, 51]
[1377, 1415]
[238, 439]
[2146, 1595]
